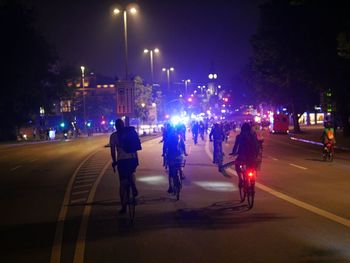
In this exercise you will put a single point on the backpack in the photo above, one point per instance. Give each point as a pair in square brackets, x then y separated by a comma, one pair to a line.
[130, 141]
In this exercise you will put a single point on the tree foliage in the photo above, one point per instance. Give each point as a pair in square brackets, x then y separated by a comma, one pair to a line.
[29, 75]
[143, 99]
[296, 52]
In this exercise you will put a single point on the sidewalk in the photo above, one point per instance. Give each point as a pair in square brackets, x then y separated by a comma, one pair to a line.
[312, 134]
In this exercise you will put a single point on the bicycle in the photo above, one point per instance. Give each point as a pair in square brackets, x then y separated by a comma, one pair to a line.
[218, 155]
[247, 187]
[165, 161]
[175, 175]
[128, 195]
[130, 200]
[328, 152]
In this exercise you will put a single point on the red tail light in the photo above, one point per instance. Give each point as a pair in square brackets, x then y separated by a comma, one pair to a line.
[251, 173]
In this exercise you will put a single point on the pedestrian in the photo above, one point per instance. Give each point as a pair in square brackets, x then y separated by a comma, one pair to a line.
[126, 143]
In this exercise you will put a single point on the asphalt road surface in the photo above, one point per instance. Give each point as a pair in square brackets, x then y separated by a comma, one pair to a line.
[59, 203]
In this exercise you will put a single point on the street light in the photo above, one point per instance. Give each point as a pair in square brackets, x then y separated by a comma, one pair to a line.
[186, 81]
[167, 70]
[132, 10]
[83, 85]
[150, 51]
[212, 76]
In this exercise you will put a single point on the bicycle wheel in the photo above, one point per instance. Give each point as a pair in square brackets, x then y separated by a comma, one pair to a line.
[220, 160]
[131, 205]
[177, 185]
[250, 196]
[242, 192]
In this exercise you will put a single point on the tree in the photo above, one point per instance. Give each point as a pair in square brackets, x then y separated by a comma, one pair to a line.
[280, 46]
[300, 49]
[27, 68]
[143, 99]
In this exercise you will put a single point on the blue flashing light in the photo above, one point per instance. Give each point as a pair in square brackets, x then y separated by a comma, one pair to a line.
[111, 123]
[62, 124]
[89, 124]
[175, 120]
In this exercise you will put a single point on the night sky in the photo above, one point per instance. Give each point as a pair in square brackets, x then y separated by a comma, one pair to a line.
[193, 36]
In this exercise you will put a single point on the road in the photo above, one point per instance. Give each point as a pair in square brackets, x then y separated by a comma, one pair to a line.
[59, 203]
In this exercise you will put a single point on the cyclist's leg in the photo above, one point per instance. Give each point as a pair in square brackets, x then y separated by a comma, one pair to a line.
[215, 151]
[123, 186]
[172, 170]
[239, 173]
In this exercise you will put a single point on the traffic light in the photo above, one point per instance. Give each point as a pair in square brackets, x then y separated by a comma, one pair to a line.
[327, 104]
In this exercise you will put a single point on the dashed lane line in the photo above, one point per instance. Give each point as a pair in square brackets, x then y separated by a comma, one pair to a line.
[82, 186]
[333, 217]
[80, 247]
[83, 180]
[57, 244]
[297, 166]
[80, 192]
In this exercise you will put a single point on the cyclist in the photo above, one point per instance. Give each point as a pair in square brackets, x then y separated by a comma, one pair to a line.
[328, 135]
[246, 146]
[216, 136]
[126, 163]
[227, 129]
[175, 149]
[201, 130]
[256, 129]
[195, 131]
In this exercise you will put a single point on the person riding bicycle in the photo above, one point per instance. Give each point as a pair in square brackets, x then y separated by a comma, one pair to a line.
[246, 146]
[217, 136]
[126, 163]
[201, 130]
[195, 131]
[176, 150]
[227, 130]
[328, 135]
[256, 129]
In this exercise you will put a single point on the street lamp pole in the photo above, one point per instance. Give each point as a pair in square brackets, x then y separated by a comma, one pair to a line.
[150, 51]
[167, 70]
[186, 81]
[133, 11]
[126, 44]
[83, 85]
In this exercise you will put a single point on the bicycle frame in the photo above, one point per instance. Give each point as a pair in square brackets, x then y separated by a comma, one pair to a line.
[248, 187]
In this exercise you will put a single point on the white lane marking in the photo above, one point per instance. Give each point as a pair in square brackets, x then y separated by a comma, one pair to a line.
[57, 244]
[311, 208]
[80, 192]
[84, 180]
[82, 186]
[80, 247]
[297, 166]
[15, 168]
[296, 202]
[32, 161]
[86, 176]
[80, 200]
[273, 158]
